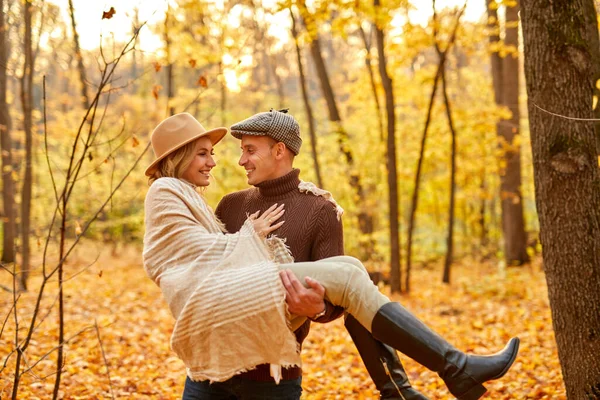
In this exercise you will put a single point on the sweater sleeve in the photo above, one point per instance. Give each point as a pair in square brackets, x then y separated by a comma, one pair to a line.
[329, 242]
[221, 207]
[329, 237]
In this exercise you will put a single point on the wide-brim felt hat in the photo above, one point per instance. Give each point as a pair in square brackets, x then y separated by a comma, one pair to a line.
[177, 131]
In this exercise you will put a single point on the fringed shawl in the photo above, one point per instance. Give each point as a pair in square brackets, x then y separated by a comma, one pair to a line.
[223, 289]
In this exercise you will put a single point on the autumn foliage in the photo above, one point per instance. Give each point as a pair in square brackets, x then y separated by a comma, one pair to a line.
[118, 329]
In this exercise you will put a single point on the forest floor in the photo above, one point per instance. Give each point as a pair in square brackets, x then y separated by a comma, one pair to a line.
[119, 326]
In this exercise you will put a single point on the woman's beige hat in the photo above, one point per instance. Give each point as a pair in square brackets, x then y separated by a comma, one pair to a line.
[177, 131]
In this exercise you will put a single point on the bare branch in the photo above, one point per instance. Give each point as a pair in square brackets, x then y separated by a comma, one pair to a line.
[62, 261]
[8, 314]
[66, 341]
[104, 358]
[81, 271]
[47, 153]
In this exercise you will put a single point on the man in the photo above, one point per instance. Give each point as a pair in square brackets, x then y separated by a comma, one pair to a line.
[313, 231]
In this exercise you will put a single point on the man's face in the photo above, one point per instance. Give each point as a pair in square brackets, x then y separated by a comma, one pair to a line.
[258, 158]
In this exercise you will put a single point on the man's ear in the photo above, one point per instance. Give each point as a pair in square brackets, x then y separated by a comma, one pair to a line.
[280, 148]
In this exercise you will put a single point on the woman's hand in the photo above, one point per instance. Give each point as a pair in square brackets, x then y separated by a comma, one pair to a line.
[263, 225]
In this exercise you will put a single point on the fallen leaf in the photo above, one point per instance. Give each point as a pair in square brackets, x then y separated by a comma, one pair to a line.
[108, 14]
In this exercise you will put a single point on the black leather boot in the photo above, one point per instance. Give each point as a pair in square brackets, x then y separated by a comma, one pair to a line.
[382, 363]
[463, 374]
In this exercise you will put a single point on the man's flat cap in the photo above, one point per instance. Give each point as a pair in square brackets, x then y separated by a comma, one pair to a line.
[278, 125]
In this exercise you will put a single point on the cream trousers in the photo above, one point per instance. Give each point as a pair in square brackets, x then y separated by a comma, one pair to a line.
[347, 284]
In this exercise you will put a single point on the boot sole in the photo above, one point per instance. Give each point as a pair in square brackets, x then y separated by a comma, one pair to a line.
[477, 391]
[474, 393]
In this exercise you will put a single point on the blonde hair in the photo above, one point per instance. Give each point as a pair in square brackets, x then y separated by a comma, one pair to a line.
[175, 164]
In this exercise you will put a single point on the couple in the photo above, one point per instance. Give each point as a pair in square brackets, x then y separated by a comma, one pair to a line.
[242, 302]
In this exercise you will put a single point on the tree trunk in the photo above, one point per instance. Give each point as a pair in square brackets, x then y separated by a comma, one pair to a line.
[134, 54]
[372, 80]
[415, 195]
[496, 63]
[496, 60]
[169, 69]
[513, 223]
[85, 101]
[595, 50]
[483, 232]
[223, 106]
[8, 185]
[559, 42]
[272, 64]
[26, 101]
[450, 237]
[307, 106]
[388, 88]
[365, 219]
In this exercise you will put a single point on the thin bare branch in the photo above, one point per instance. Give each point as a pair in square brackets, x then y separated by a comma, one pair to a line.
[4, 267]
[66, 341]
[81, 271]
[8, 314]
[100, 209]
[47, 153]
[104, 358]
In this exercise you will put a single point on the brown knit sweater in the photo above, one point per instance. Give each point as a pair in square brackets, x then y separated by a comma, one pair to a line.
[311, 228]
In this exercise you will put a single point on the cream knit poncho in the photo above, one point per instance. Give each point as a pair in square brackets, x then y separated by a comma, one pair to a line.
[223, 289]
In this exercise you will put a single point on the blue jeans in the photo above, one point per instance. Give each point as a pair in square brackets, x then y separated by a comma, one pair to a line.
[238, 388]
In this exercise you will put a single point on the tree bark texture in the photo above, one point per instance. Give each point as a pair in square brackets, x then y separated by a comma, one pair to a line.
[8, 184]
[85, 100]
[394, 228]
[26, 101]
[513, 222]
[559, 70]
[307, 106]
[592, 38]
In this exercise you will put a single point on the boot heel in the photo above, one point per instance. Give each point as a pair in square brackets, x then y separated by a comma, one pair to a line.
[474, 393]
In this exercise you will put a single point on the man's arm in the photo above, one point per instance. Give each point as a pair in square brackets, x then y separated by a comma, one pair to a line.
[329, 242]
[329, 234]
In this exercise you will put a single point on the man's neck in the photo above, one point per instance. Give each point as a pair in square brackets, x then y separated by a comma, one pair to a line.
[282, 171]
[281, 185]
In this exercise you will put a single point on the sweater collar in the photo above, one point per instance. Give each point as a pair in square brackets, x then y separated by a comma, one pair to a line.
[281, 185]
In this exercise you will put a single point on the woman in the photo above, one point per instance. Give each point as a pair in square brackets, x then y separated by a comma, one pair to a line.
[225, 291]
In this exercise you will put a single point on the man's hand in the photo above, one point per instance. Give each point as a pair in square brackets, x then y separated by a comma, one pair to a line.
[305, 302]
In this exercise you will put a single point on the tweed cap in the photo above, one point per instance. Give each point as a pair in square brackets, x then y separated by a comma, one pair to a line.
[279, 125]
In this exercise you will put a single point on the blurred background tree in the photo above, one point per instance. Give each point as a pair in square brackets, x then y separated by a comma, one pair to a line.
[224, 61]
[415, 120]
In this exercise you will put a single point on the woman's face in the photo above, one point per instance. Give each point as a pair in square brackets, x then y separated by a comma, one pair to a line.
[198, 172]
